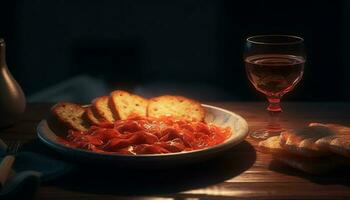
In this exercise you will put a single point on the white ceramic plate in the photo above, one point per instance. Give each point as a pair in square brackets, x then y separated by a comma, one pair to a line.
[218, 116]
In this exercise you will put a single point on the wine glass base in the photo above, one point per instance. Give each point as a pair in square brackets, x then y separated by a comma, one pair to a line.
[262, 134]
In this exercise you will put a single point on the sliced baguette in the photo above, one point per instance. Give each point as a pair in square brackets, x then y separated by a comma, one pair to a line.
[100, 105]
[92, 117]
[303, 142]
[127, 105]
[271, 145]
[176, 106]
[306, 164]
[66, 116]
[338, 143]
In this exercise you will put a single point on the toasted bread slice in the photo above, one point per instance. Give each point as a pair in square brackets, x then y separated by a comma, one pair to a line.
[176, 106]
[306, 164]
[92, 117]
[100, 105]
[68, 116]
[338, 143]
[127, 105]
[271, 145]
[302, 142]
[341, 145]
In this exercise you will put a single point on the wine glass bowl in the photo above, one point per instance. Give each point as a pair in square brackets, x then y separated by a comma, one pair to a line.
[274, 65]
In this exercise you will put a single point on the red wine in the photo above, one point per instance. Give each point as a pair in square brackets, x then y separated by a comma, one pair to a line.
[274, 74]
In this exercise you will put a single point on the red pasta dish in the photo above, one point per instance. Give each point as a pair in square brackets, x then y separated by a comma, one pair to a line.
[126, 123]
[148, 135]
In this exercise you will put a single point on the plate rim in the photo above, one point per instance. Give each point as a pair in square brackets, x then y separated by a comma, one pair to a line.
[230, 142]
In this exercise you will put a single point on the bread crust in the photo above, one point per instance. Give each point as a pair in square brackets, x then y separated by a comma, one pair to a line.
[92, 117]
[66, 115]
[101, 107]
[338, 143]
[121, 105]
[125, 104]
[271, 145]
[303, 142]
[176, 106]
[306, 164]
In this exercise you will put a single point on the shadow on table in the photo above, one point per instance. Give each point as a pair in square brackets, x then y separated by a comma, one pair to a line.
[340, 175]
[101, 179]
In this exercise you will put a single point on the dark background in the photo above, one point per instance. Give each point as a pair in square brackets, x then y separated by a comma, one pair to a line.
[189, 47]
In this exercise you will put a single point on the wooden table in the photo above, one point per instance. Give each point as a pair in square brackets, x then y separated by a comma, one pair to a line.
[240, 173]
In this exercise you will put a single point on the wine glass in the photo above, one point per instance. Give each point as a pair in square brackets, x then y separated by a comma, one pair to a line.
[274, 65]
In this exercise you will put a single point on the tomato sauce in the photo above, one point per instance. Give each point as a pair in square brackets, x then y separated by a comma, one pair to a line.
[145, 135]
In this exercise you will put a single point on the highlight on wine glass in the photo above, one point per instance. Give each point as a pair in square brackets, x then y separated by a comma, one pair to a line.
[274, 65]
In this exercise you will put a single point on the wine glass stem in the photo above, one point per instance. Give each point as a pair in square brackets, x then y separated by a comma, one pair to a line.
[274, 110]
